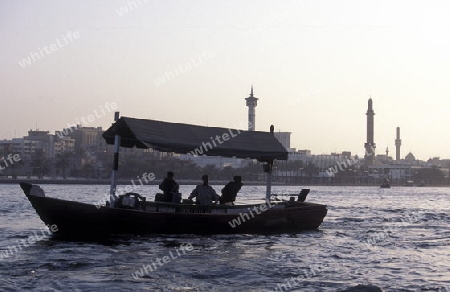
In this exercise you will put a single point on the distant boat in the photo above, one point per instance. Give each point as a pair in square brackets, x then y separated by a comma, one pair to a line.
[132, 213]
[421, 184]
[386, 184]
[409, 183]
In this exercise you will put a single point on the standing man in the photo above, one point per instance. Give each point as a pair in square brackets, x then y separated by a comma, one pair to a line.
[204, 193]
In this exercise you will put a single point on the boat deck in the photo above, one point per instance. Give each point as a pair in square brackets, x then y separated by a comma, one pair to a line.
[240, 206]
[249, 202]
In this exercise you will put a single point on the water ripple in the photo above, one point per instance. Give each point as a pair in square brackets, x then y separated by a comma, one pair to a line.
[396, 239]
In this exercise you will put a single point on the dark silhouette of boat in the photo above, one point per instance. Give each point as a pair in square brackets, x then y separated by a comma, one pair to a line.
[131, 213]
[421, 184]
[386, 184]
[409, 183]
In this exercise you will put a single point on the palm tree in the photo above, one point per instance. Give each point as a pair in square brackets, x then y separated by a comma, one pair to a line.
[311, 169]
[88, 170]
[63, 161]
[40, 165]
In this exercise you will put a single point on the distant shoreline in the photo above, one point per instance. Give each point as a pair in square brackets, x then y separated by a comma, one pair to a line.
[107, 182]
[124, 182]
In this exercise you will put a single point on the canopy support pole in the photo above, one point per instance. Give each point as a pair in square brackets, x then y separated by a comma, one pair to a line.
[268, 170]
[112, 192]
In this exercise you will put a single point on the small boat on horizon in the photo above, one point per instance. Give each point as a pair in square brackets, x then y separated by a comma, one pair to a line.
[386, 184]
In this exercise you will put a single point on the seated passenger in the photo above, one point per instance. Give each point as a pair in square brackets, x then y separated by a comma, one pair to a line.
[230, 191]
[204, 193]
[169, 186]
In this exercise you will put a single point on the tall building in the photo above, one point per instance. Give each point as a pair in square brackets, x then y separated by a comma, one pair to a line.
[284, 138]
[370, 144]
[398, 143]
[44, 142]
[251, 102]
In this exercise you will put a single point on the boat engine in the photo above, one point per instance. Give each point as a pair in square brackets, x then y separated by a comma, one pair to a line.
[131, 201]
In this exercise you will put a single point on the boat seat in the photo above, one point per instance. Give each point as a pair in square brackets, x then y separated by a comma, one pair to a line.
[302, 195]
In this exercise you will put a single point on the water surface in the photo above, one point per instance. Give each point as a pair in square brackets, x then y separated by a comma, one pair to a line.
[397, 239]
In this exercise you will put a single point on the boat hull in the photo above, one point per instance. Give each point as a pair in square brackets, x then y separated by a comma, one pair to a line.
[75, 218]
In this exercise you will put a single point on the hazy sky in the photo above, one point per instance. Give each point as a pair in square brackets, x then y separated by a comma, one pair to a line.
[313, 65]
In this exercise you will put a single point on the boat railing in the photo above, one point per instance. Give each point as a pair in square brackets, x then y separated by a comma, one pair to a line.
[193, 208]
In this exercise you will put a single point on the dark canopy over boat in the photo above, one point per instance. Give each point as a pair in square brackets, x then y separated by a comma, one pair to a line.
[197, 140]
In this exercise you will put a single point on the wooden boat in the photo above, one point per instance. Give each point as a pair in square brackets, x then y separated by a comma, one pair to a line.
[131, 213]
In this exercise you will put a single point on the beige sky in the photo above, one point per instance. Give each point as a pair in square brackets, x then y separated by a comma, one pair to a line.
[313, 64]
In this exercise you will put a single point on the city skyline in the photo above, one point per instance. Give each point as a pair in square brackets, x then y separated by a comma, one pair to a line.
[370, 145]
[313, 67]
[108, 110]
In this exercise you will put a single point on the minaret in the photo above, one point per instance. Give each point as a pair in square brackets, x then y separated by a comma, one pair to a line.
[398, 143]
[370, 144]
[251, 102]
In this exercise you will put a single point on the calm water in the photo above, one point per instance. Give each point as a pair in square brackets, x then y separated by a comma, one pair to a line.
[397, 239]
